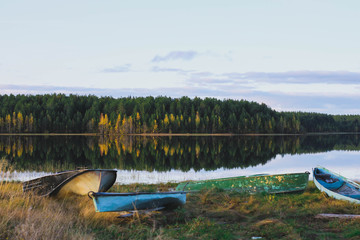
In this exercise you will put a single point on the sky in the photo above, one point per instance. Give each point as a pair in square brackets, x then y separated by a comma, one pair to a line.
[290, 55]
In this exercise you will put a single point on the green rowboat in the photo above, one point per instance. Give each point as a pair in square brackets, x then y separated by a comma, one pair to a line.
[279, 183]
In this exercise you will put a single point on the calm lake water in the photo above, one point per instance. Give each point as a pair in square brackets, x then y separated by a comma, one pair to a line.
[164, 159]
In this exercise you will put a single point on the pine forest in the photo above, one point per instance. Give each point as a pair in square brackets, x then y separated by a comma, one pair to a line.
[59, 113]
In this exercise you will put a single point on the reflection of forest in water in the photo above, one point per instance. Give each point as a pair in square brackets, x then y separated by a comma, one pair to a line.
[55, 153]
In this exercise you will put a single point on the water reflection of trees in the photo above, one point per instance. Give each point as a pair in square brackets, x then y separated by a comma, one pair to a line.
[161, 153]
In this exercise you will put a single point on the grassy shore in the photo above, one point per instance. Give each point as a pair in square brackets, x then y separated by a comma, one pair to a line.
[207, 215]
[211, 214]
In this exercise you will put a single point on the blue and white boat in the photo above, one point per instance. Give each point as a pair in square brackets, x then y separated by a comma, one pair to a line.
[117, 202]
[336, 186]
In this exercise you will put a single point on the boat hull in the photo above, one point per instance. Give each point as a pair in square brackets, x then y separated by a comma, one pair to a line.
[281, 183]
[72, 182]
[339, 187]
[117, 202]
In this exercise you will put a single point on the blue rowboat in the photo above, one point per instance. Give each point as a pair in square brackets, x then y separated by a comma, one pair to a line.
[336, 186]
[117, 202]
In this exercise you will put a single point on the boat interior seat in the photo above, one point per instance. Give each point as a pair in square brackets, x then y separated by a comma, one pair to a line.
[331, 185]
[327, 178]
[323, 176]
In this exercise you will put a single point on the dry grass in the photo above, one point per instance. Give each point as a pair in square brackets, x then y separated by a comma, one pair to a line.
[26, 216]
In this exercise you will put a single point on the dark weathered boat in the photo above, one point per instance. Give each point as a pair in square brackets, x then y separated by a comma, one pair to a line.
[118, 202]
[335, 185]
[72, 182]
[279, 183]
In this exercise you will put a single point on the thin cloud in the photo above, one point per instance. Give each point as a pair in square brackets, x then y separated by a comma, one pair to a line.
[300, 77]
[202, 74]
[176, 70]
[293, 77]
[319, 104]
[117, 69]
[211, 79]
[176, 55]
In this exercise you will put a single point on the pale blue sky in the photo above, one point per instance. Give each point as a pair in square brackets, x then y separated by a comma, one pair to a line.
[290, 55]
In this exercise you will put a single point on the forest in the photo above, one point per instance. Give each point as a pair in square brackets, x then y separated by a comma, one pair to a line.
[60, 113]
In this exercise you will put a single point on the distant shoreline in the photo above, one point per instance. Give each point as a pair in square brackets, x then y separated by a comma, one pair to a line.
[180, 134]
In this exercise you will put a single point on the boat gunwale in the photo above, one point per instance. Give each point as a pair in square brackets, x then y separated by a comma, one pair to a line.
[242, 177]
[79, 171]
[113, 194]
[138, 201]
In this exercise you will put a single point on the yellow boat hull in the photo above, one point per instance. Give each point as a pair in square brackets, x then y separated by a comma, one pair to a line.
[79, 182]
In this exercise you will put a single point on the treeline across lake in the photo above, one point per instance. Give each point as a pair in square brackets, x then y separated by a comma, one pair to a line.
[58, 113]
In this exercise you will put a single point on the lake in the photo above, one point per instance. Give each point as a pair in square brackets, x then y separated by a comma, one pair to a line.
[141, 159]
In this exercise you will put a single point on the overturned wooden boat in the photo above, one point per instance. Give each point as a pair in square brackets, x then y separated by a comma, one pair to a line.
[72, 182]
[279, 183]
[335, 185]
[118, 202]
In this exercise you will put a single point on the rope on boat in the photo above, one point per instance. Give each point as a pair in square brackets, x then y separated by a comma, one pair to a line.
[91, 194]
[185, 186]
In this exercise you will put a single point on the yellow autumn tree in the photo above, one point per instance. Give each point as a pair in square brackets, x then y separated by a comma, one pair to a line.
[118, 124]
[104, 124]
[138, 116]
[155, 126]
[197, 120]
[31, 123]
[172, 118]
[166, 122]
[20, 121]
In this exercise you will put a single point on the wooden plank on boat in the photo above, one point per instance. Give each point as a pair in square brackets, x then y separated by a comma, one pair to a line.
[332, 215]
